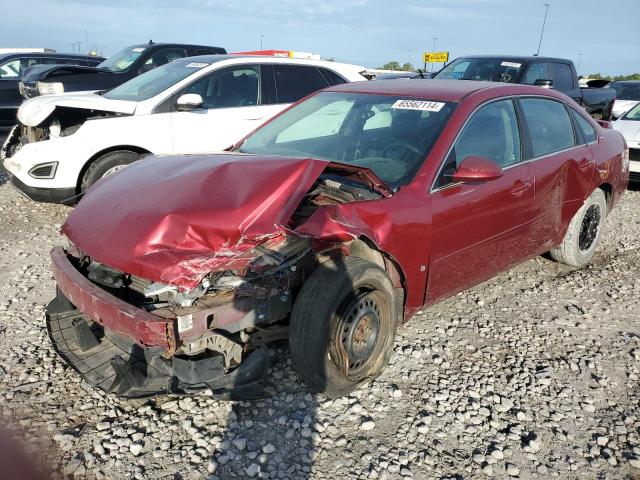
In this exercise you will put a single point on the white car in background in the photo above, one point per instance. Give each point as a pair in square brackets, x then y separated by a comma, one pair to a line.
[629, 126]
[627, 96]
[65, 143]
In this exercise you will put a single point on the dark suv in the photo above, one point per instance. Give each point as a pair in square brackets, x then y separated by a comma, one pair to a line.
[12, 67]
[115, 70]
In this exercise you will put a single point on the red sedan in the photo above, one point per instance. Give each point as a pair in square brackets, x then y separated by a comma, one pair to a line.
[328, 226]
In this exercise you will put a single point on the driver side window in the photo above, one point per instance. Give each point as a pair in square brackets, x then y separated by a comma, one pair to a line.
[228, 88]
[492, 132]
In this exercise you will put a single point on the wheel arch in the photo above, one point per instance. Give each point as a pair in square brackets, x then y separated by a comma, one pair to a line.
[94, 157]
[365, 248]
[607, 188]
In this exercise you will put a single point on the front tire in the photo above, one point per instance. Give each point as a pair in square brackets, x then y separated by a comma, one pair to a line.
[106, 165]
[584, 233]
[343, 326]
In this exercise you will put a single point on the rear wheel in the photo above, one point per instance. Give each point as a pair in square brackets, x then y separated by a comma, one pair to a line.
[343, 326]
[585, 230]
[106, 165]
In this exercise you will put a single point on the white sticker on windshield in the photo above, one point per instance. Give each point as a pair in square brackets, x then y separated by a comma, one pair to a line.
[511, 64]
[418, 105]
[139, 49]
[197, 65]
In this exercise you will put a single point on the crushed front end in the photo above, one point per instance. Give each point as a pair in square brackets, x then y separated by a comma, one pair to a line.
[135, 338]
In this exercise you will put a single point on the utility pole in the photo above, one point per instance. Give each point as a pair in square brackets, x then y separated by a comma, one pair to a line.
[409, 56]
[73, 47]
[543, 23]
[579, 62]
[434, 51]
[261, 37]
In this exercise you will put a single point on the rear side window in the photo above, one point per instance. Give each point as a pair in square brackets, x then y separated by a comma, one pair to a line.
[294, 82]
[588, 132]
[536, 71]
[562, 76]
[331, 77]
[550, 127]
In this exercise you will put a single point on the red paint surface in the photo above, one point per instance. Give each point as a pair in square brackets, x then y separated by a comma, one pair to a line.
[174, 219]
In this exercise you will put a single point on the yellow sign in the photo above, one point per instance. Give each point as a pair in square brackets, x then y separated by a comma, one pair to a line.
[435, 56]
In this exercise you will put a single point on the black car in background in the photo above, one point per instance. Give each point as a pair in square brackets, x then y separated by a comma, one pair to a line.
[12, 67]
[549, 72]
[115, 70]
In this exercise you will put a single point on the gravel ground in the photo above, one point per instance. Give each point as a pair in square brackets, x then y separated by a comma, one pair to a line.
[534, 374]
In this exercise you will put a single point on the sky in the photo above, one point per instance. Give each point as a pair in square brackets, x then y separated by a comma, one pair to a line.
[364, 32]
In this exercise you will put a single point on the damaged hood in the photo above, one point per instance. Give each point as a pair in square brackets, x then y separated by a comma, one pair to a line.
[173, 219]
[36, 110]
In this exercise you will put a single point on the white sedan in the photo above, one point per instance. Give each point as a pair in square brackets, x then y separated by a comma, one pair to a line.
[65, 143]
[629, 126]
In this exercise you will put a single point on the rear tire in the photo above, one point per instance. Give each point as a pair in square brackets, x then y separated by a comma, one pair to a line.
[106, 165]
[584, 233]
[343, 326]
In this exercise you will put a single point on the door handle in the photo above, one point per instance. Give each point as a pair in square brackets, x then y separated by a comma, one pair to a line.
[254, 118]
[519, 188]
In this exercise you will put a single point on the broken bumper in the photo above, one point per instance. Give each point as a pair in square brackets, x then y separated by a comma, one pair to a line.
[125, 350]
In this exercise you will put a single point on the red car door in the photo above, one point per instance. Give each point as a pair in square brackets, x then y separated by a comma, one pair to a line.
[481, 228]
[562, 167]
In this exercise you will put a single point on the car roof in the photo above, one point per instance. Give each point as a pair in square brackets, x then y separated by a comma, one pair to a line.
[626, 81]
[79, 56]
[522, 58]
[153, 45]
[213, 58]
[446, 90]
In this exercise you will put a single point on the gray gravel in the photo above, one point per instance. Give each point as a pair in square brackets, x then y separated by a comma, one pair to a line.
[534, 374]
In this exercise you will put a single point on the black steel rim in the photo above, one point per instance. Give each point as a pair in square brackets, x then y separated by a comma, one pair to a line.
[589, 228]
[358, 330]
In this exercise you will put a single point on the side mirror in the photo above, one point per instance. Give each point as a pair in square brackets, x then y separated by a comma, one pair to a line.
[477, 169]
[188, 102]
[544, 83]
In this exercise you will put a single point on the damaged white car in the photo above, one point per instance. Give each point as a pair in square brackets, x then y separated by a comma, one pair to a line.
[65, 143]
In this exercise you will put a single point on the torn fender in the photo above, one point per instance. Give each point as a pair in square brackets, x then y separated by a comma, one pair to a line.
[173, 219]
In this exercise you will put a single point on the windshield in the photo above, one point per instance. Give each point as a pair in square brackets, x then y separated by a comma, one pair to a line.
[391, 135]
[626, 91]
[154, 81]
[122, 60]
[633, 114]
[487, 69]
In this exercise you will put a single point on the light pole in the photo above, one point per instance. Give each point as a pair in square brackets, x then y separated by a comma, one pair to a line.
[543, 23]
[434, 51]
[261, 37]
[409, 56]
[579, 62]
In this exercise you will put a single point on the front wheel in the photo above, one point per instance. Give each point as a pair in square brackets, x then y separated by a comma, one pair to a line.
[583, 235]
[106, 165]
[343, 326]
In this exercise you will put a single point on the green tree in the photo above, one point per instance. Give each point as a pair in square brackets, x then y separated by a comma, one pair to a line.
[392, 65]
[407, 67]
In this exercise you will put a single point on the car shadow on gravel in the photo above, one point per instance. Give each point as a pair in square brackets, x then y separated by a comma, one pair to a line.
[276, 436]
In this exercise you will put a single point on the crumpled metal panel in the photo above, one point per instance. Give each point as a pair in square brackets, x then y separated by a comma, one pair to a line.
[173, 219]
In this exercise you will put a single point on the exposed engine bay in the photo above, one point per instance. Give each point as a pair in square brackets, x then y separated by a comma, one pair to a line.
[62, 122]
